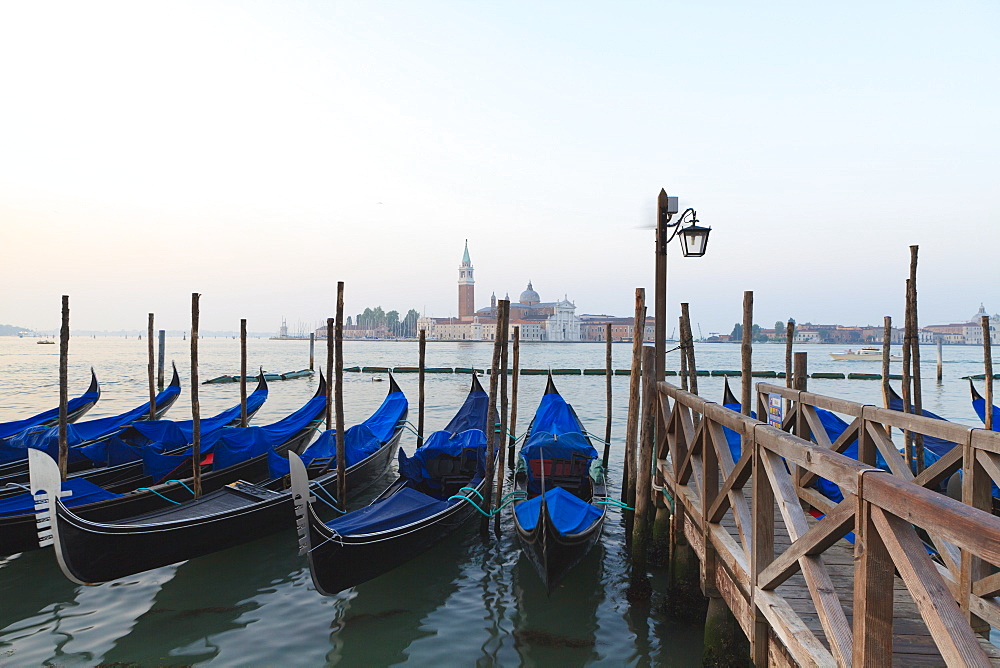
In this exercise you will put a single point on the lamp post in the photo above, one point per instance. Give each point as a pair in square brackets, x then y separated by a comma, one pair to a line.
[694, 241]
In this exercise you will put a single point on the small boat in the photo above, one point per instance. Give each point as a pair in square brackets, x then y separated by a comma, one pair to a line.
[562, 504]
[228, 454]
[45, 342]
[301, 373]
[91, 551]
[435, 493]
[868, 353]
[14, 450]
[75, 409]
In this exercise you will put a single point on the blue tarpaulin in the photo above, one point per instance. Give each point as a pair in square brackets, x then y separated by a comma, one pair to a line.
[232, 445]
[404, 507]
[420, 468]
[569, 514]
[82, 492]
[360, 441]
[472, 415]
[8, 429]
[47, 438]
[979, 405]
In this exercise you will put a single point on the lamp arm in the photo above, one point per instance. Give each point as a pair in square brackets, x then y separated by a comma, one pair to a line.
[670, 230]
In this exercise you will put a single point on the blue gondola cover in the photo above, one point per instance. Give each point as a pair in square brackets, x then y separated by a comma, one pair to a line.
[82, 492]
[569, 514]
[404, 507]
[8, 429]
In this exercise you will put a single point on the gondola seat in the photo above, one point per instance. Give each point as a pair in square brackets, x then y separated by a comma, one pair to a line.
[571, 474]
[452, 472]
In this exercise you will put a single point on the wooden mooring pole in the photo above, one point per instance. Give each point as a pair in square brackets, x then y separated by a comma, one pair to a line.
[502, 438]
[988, 364]
[515, 374]
[64, 387]
[329, 373]
[195, 404]
[683, 373]
[421, 363]
[915, 357]
[491, 424]
[162, 360]
[907, 395]
[886, 355]
[688, 347]
[746, 354]
[632, 421]
[312, 350]
[940, 360]
[151, 368]
[643, 498]
[243, 372]
[789, 339]
[338, 397]
[607, 374]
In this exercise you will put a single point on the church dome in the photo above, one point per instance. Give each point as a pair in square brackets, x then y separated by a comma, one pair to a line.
[529, 296]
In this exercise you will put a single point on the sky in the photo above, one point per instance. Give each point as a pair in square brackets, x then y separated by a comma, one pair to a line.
[259, 152]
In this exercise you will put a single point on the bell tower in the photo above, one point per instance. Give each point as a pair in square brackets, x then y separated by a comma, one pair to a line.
[466, 287]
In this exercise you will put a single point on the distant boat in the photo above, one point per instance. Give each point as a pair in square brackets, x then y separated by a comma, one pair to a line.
[302, 373]
[869, 353]
[45, 342]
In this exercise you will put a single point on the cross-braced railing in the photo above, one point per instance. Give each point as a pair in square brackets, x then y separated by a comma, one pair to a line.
[730, 473]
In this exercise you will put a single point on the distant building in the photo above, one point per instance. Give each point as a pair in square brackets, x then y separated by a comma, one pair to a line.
[538, 320]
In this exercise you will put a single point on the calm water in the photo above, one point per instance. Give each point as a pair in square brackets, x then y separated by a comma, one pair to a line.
[464, 602]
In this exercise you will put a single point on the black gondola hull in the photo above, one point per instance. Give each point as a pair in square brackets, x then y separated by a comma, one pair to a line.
[340, 562]
[553, 555]
[100, 552]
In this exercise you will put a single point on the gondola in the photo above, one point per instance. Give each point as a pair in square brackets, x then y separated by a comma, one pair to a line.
[561, 509]
[75, 409]
[14, 451]
[979, 405]
[90, 552]
[116, 459]
[228, 454]
[418, 509]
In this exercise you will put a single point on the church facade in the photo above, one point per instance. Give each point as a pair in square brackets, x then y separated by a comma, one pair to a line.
[538, 320]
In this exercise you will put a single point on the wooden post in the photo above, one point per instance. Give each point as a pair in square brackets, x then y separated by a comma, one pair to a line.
[763, 538]
[329, 373]
[886, 355]
[660, 296]
[643, 496]
[684, 358]
[421, 360]
[988, 363]
[689, 338]
[151, 368]
[746, 353]
[801, 371]
[162, 360]
[338, 396]
[243, 372]
[503, 335]
[873, 600]
[789, 338]
[64, 387]
[907, 396]
[195, 404]
[607, 377]
[515, 374]
[312, 350]
[940, 360]
[915, 356]
[491, 437]
[632, 422]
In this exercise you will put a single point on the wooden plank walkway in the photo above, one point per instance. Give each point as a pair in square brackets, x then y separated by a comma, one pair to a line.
[790, 579]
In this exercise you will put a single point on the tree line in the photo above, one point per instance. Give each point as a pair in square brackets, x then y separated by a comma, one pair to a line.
[377, 318]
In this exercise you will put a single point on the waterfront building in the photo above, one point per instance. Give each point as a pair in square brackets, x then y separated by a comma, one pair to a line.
[538, 320]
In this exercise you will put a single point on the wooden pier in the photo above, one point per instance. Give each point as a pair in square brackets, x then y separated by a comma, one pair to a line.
[914, 586]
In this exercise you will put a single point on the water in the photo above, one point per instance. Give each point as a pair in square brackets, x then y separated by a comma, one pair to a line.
[463, 602]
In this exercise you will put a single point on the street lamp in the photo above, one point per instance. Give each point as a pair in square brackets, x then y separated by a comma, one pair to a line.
[694, 241]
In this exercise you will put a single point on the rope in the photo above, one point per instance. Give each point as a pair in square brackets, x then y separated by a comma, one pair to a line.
[474, 504]
[181, 483]
[614, 502]
[474, 491]
[147, 489]
[332, 503]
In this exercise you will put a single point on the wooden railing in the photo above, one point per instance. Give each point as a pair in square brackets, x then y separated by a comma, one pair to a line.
[940, 549]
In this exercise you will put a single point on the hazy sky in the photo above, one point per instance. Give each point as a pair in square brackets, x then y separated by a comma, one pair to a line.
[259, 152]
